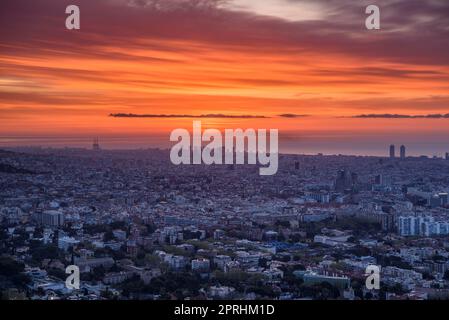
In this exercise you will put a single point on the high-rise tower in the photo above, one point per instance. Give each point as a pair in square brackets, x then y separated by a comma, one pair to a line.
[403, 152]
[392, 151]
[96, 145]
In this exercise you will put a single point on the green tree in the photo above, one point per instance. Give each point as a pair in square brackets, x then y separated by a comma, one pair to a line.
[9, 267]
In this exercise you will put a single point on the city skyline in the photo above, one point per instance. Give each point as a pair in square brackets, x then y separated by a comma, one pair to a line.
[123, 143]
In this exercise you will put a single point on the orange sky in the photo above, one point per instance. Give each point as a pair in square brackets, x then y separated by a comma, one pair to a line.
[224, 60]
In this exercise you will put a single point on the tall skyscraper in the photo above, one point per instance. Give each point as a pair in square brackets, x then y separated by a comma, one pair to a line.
[96, 145]
[392, 151]
[402, 152]
[447, 155]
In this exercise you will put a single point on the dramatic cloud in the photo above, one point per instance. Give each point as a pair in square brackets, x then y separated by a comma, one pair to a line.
[213, 115]
[337, 29]
[273, 60]
[292, 115]
[404, 116]
[131, 115]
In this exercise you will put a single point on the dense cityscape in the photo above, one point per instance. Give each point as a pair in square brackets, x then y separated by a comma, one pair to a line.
[140, 228]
